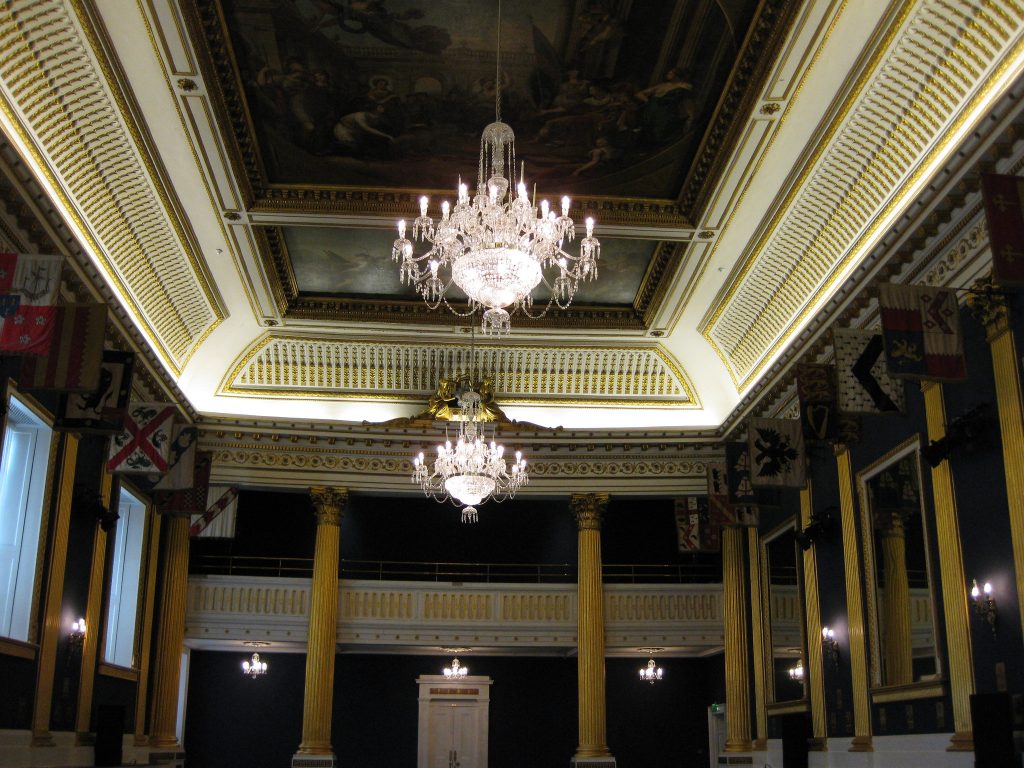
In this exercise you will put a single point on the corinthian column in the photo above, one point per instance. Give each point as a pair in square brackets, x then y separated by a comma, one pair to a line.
[172, 635]
[737, 685]
[593, 740]
[899, 664]
[315, 749]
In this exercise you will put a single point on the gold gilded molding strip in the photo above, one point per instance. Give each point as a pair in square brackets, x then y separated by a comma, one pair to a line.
[854, 607]
[954, 584]
[290, 364]
[812, 616]
[72, 126]
[922, 84]
[758, 636]
[1011, 426]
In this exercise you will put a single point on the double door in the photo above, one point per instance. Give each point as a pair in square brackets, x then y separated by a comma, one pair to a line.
[454, 737]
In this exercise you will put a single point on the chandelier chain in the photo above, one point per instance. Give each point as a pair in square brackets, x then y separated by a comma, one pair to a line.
[497, 73]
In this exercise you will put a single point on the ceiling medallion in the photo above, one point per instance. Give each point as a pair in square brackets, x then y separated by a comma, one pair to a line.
[498, 246]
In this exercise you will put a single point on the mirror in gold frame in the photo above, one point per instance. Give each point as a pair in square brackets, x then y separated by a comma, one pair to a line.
[898, 575]
[783, 612]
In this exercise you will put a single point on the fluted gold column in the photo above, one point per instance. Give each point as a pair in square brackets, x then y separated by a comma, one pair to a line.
[812, 616]
[737, 685]
[1003, 346]
[321, 645]
[593, 741]
[758, 624]
[171, 640]
[899, 658]
[141, 738]
[93, 610]
[954, 586]
[47, 666]
[854, 607]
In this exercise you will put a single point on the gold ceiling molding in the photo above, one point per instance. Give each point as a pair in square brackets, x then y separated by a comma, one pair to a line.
[937, 64]
[75, 123]
[278, 365]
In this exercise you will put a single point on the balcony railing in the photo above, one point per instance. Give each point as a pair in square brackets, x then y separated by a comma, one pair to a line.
[487, 573]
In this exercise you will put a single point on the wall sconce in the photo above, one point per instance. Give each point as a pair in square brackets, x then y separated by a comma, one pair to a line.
[77, 634]
[830, 646]
[984, 606]
[796, 673]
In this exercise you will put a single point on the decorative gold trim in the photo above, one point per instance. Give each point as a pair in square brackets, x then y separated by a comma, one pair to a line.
[93, 611]
[387, 387]
[122, 673]
[734, 608]
[854, 606]
[47, 660]
[1005, 371]
[153, 547]
[960, 669]
[886, 694]
[757, 624]
[812, 619]
[838, 269]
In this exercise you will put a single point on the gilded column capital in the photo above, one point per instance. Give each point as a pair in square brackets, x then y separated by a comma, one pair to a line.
[588, 508]
[988, 304]
[328, 504]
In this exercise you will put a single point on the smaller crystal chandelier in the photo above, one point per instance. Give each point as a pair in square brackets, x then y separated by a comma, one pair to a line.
[796, 673]
[456, 671]
[652, 673]
[254, 668]
[472, 470]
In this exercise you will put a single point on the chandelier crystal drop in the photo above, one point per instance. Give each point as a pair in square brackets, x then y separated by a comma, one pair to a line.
[254, 668]
[472, 470]
[456, 671]
[652, 673]
[497, 246]
[796, 672]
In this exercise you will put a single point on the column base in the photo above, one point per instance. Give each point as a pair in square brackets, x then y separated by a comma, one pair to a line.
[606, 761]
[962, 741]
[300, 760]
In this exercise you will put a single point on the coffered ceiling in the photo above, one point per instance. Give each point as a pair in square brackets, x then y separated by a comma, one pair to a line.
[234, 169]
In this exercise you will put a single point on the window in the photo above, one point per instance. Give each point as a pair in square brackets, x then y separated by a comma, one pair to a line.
[125, 572]
[26, 455]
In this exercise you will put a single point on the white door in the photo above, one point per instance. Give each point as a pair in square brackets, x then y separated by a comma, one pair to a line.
[454, 729]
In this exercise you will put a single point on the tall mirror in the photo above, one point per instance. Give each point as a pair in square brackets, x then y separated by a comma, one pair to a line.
[898, 574]
[784, 611]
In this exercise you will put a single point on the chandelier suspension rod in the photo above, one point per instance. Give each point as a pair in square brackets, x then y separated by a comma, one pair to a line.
[497, 77]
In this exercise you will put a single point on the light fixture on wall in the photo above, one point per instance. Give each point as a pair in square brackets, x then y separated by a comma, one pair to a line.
[473, 469]
[652, 673]
[830, 645]
[984, 604]
[796, 672]
[456, 671]
[76, 637]
[254, 667]
[498, 246]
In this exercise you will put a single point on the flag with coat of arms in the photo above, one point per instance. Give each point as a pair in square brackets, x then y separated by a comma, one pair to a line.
[29, 284]
[777, 456]
[144, 442]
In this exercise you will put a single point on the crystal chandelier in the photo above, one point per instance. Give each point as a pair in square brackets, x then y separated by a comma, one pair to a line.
[652, 673]
[255, 667]
[497, 246]
[472, 470]
[455, 671]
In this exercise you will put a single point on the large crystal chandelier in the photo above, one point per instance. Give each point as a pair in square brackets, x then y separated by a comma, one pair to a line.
[499, 245]
[652, 673]
[255, 667]
[456, 671]
[472, 470]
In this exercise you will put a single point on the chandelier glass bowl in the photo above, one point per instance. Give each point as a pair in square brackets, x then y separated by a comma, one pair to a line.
[499, 245]
[471, 470]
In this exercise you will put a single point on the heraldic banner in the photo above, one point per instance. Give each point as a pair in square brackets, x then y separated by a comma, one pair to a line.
[921, 328]
[144, 442]
[777, 457]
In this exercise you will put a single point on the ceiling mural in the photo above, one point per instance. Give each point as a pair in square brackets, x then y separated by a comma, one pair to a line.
[357, 263]
[609, 98]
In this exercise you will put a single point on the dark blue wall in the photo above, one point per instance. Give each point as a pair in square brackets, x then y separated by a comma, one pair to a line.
[533, 714]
